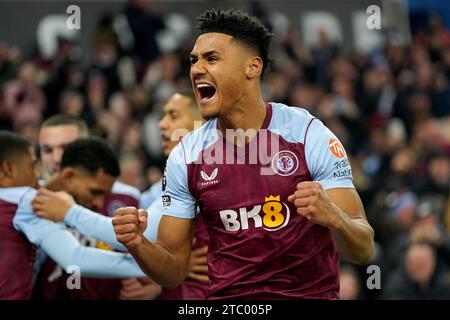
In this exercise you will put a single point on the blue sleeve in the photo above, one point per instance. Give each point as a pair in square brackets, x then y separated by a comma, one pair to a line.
[34, 228]
[150, 195]
[66, 251]
[176, 199]
[93, 225]
[97, 226]
[326, 158]
[155, 213]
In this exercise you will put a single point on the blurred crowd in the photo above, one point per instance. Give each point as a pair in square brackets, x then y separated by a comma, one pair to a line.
[390, 108]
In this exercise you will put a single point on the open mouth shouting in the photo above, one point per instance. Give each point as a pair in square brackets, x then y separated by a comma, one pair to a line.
[206, 92]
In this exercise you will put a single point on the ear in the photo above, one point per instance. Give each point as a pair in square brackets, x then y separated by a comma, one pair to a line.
[67, 174]
[7, 169]
[254, 67]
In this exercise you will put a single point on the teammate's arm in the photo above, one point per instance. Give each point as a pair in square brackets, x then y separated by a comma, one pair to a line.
[60, 206]
[65, 249]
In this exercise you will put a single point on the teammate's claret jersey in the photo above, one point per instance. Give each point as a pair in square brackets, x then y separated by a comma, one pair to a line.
[17, 254]
[259, 246]
[51, 282]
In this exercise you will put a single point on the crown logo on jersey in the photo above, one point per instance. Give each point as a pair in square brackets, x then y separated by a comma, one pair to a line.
[272, 198]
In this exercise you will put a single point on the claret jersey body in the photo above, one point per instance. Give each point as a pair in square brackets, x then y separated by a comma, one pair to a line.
[259, 246]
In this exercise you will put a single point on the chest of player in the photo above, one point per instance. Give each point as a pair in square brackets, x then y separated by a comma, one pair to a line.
[15, 249]
[236, 195]
[7, 213]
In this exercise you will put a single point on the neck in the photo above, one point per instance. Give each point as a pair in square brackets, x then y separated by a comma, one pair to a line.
[5, 184]
[248, 112]
[6, 181]
[55, 183]
[241, 124]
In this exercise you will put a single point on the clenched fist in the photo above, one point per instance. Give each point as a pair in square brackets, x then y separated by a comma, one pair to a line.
[313, 202]
[129, 225]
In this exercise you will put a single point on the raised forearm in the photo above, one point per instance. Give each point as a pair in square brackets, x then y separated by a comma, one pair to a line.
[160, 263]
[165, 261]
[353, 237]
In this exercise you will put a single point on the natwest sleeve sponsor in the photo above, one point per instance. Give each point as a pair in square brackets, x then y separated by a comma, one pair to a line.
[176, 199]
[326, 157]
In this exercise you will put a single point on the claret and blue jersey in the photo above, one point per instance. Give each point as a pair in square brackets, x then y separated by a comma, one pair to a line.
[21, 231]
[259, 246]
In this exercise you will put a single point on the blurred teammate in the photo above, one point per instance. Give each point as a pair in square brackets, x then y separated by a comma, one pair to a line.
[21, 230]
[277, 225]
[60, 130]
[180, 114]
[56, 132]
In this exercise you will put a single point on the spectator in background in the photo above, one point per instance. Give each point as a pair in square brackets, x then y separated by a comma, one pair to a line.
[105, 60]
[350, 283]
[322, 55]
[8, 62]
[57, 70]
[144, 25]
[390, 108]
[418, 277]
[71, 103]
[96, 97]
[23, 100]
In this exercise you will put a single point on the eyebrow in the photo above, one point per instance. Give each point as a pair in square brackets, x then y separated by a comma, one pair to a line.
[46, 146]
[49, 146]
[97, 192]
[205, 54]
[173, 111]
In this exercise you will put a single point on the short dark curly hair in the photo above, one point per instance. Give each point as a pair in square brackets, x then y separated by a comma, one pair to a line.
[91, 154]
[12, 146]
[242, 27]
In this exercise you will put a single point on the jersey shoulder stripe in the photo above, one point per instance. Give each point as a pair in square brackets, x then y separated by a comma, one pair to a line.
[291, 123]
[14, 195]
[198, 140]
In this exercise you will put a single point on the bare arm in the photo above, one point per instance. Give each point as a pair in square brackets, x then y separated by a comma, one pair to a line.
[167, 260]
[352, 234]
[139, 289]
[198, 264]
[342, 212]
